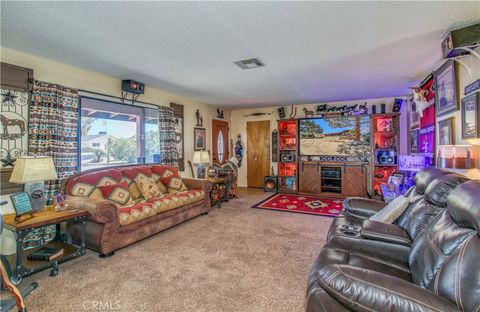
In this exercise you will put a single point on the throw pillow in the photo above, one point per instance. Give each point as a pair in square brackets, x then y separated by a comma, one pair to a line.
[147, 186]
[118, 193]
[392, 211]
[159, 183]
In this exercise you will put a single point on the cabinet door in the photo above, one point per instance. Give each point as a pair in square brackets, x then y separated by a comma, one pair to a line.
[354, 182]
[309, 178]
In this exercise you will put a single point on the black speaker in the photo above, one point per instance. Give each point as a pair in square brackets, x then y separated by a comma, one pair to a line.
[133, 86]
[270, 184]
[397, 105]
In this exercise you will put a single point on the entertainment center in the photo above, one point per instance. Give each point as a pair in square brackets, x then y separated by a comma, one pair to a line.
[336, 155]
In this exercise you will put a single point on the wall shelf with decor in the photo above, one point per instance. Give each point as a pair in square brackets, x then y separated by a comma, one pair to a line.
[287, 156]
[385, 140]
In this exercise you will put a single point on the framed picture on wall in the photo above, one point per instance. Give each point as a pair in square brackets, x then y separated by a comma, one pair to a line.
[414, 116]
[199, 137]
[445, 92]
[446, 135]
[413, 142]
[471, 116]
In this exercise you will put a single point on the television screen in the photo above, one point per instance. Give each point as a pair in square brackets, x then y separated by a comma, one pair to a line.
[335, 136]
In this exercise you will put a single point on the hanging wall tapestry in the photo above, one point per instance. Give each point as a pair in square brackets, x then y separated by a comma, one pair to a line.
[53, 128]
[14, 121]
[179, 134]
[168, 144]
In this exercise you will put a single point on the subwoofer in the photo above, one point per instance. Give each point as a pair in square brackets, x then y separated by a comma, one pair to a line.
[270, 184]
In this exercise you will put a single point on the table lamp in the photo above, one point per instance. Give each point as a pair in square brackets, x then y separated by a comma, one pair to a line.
[33, 171]
[201, 158]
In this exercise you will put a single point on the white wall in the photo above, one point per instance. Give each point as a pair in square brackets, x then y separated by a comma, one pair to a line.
[54, 72]
[464, 79]
[238, 124]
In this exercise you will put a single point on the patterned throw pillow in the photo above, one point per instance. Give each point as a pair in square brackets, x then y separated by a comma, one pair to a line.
[118, 193]
[170, 178]
[129, 175]
[147, 186]
[159, 183]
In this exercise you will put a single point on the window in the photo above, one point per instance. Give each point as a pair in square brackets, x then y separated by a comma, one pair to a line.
[112, 134]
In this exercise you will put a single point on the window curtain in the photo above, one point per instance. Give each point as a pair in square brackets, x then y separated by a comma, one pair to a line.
[166, 128]
[53, 128]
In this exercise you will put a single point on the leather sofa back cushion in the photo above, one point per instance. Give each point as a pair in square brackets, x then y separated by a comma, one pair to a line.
[464, 204]
[438, 190]
[424, 177]
[87, 184]
[130, 174]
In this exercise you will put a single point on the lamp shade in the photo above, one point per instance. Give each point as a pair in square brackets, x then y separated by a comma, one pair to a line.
[201, 157]
[33, 169]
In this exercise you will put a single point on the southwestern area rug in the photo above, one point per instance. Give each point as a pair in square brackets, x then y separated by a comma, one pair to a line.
[323, 206]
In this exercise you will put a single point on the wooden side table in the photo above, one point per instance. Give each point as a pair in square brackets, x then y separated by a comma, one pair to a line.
[218, 194]
[19, 261]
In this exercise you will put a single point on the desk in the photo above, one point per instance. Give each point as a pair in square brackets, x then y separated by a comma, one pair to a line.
[19, 261]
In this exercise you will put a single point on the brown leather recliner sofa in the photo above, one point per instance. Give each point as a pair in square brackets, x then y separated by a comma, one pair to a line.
[111, 226]
[438, 270]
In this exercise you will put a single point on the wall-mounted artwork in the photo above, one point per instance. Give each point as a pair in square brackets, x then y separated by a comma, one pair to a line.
[471, 116]
[199, 139]
[14, 121]
[414, 116]
[445, 92]
[179, 134]
[446, 131]
[413, 142]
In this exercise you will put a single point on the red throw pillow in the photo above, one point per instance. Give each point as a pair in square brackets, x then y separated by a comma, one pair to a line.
[118, 193]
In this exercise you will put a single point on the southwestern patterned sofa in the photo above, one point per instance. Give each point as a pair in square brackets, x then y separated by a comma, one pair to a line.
[129, 203]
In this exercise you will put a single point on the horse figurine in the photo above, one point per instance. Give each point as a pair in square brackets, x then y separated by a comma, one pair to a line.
[308, 113]
[7, 122]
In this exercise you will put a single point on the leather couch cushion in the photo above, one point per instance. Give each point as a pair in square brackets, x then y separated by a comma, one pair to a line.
[135, 213]
[173, 201]
[425, 176]
[464, 204]
[330, 254]
[438, 190]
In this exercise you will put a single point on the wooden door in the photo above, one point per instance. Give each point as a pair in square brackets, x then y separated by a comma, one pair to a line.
[309, 178]
[220, 150]
[258, 152]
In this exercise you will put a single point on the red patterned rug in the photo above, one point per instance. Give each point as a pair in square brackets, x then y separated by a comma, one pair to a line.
[303, 204]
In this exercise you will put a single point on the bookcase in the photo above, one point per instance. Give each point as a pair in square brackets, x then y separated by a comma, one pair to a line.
[385, 149]
[287, 156]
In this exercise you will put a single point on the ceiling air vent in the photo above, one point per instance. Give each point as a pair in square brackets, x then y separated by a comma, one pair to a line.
[249, 64]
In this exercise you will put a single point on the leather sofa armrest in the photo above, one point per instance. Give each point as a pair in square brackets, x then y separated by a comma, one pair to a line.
[365, 290]
[385, 232]
[99, 210]
[198, 184]
[362, 208]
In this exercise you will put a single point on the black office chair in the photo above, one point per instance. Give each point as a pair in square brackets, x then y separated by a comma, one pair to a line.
[18, 296]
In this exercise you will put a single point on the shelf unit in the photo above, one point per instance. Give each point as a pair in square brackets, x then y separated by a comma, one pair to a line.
[287, 156]
[385, 148]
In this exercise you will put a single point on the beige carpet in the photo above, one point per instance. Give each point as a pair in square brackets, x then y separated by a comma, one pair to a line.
[235, 259]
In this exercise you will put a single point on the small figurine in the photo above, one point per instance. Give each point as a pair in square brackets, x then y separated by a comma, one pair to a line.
[308, 113]
[219, 113]
[239, 150]
[281, 112]
[201, 121]
[197, 115]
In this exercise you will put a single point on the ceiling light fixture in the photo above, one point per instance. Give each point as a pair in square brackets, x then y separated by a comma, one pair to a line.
[249, 64]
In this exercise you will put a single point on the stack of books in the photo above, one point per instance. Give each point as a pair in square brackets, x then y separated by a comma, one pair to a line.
[45, 254]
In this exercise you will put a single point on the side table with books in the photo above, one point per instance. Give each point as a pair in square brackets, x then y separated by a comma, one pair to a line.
[28, 261]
